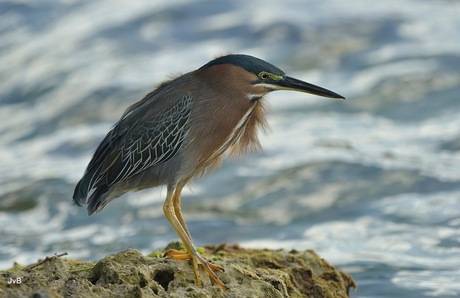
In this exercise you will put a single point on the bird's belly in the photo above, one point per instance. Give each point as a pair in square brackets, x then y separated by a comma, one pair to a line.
[209, 157]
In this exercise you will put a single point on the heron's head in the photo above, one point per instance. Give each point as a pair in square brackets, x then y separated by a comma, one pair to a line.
[261, 75]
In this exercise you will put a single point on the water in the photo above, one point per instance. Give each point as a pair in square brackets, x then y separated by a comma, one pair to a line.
[370, 183]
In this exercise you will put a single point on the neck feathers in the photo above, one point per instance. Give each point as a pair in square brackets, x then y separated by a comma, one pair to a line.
[246, 135]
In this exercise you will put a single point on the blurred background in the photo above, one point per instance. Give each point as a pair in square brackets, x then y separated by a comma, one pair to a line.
[371, 183]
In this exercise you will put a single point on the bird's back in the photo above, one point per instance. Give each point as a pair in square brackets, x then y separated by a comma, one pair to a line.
[149, 133]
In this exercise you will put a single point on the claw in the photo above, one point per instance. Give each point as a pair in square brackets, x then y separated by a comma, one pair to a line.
[198, 260]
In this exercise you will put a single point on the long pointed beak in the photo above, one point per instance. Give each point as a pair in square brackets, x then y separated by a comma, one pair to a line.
[288, 83]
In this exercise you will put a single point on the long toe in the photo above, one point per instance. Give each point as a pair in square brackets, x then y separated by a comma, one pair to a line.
[177, 255]
[209, 267]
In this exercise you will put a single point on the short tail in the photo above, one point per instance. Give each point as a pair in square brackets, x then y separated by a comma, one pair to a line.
[96, 201]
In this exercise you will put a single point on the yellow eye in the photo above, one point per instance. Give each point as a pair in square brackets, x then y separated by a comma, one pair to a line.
[264, 76]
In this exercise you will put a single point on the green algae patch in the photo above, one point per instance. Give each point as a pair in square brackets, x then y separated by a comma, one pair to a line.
[248, 273]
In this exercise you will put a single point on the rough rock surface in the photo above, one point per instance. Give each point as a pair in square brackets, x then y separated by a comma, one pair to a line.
[248, 273]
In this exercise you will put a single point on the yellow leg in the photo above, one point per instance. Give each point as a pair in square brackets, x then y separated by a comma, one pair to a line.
[173, 213]
[177, 209]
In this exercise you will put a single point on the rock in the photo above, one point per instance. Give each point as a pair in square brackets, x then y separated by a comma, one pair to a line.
[248, 273]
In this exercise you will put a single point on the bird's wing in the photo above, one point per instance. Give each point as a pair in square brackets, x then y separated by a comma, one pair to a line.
[138, 141]
[154, 141]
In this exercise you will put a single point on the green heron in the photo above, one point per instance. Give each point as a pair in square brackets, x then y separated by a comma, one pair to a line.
[180, 131]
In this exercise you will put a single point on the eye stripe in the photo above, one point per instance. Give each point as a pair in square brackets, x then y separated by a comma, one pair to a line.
[266, 75]
[267, 86]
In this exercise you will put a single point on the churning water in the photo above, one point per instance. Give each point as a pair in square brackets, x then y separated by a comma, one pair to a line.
[371, 183]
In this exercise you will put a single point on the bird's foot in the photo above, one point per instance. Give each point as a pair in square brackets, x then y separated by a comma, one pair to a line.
[197, 259]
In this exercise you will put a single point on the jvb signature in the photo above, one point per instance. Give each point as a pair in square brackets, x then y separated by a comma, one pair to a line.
[16, 280]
